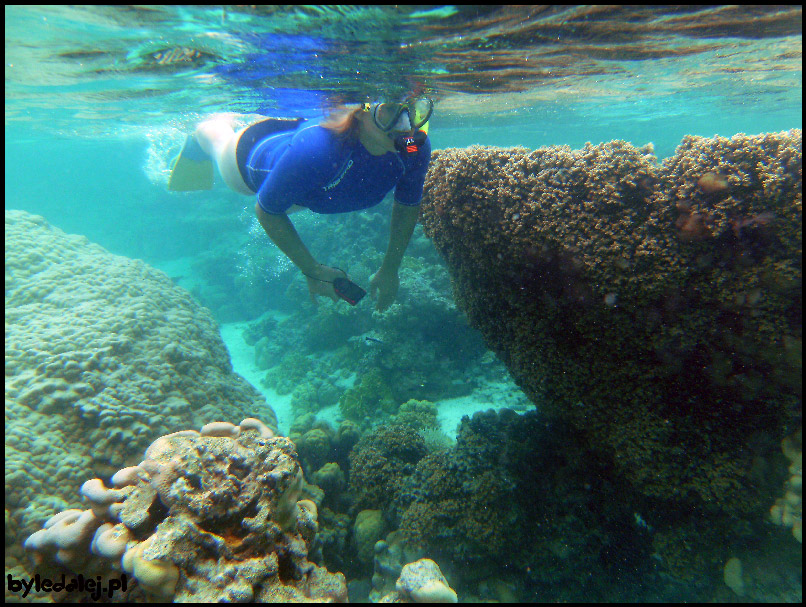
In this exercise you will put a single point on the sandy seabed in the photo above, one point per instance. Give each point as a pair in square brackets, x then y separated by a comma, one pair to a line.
[494, 395]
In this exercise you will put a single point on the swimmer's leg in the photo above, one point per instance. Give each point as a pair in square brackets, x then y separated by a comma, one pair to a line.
[218, 139]
[214, 134]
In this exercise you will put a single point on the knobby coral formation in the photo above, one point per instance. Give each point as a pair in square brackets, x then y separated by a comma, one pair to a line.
[422, 582]
[102, 354]
[370, 397]
[210, 516]
[788, 510]
[655, 308]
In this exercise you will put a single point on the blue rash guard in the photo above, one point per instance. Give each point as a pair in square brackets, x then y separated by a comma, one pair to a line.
[327, 173]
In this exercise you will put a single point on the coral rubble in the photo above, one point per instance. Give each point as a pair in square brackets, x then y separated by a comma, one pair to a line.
[654, 307]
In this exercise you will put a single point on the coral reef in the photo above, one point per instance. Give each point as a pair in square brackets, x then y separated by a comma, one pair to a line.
[372, 397]
[292, 370]
[422, 345]
[391, 555]
[401, 575]
[417, 414]
[318, 444]
[521, 507]
[102, 353]
[210, 516]
[424, 314]
[330, 478]
[380, 461]
[656, 308]
[464, 503]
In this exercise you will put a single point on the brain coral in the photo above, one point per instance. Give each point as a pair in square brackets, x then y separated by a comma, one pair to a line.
[657, 312]
[210, 516]
[102, 354]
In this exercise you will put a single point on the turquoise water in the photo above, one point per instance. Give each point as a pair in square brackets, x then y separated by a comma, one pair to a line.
[94, 114]
[79, 90]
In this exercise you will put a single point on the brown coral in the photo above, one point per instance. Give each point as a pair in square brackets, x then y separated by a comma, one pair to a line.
[693, 360]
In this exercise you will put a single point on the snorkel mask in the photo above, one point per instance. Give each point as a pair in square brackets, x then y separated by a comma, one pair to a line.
[406, 123]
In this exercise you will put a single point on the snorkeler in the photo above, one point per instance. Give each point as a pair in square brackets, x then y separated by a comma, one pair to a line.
[348, 162]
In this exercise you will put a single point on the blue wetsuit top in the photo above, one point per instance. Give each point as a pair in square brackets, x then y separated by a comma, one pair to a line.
[327, 173]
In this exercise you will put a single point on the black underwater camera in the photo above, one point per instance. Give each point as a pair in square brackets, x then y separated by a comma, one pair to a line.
[348, 291]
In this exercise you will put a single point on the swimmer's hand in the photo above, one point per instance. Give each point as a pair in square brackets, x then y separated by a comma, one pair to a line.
[320, 282]
[384, 284]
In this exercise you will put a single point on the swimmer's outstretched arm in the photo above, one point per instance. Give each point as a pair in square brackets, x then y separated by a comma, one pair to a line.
[283, 234]
[404, 219]
[385, 282]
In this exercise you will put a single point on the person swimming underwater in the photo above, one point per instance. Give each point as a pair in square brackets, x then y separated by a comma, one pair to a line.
[347, 162]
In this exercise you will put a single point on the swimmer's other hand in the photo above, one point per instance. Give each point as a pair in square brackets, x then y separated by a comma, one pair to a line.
[383, 286]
